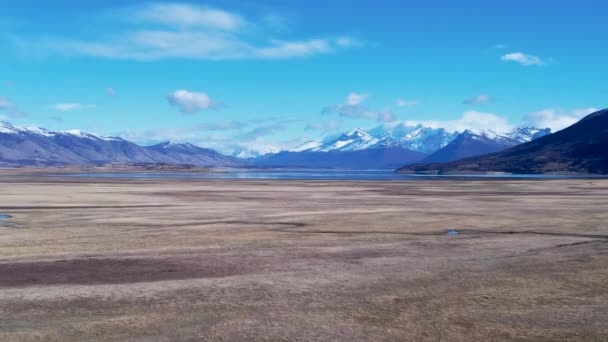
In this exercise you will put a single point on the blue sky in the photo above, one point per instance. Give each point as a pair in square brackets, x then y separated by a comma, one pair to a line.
[269, 75]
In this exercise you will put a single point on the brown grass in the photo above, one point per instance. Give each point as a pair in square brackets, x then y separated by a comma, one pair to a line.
[179, 260]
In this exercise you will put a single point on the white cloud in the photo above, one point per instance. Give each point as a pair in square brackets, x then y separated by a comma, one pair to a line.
[10, 109]
[163, 31]
[480, 99]
[261, 131]
[348, 42]
[523, 59]
[556, 119]
[64, 107]
[262, 146]
[323, 125]
[473, 120]
[385, 115]
[220, 126]
[56, 118]
[5, 103]
[360, 112]
[250, 143]
[186, 15]
[190, 102]
[354, 99]
[406, 103]
[110, 91]
[353, 108]
[286, 49]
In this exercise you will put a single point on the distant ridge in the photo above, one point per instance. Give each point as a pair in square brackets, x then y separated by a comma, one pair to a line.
[387, 146]
[377, 158]
[395, 144]
[580, 148]
[470, 143]
[33, 146]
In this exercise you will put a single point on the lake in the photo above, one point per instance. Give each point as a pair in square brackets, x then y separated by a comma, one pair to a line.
[308, 174]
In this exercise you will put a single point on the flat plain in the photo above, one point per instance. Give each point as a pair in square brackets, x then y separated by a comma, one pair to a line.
[234, 260]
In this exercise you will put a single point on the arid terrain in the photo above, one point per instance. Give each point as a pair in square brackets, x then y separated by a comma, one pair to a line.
[190, 260]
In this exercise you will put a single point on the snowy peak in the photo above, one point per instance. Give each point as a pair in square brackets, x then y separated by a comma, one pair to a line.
[417, 138]
[80, 134]
[356, 133]
[29, 145]
[486, 135]
[178, 147]
[517, 136]
[526, 134]
[414, 137]
[353, 140]
[472, 143]
[310, 145]
[8, 128]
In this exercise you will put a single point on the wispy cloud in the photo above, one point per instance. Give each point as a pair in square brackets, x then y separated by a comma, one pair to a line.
[5, 103]
[556, 119]
[64, 107]
[477, 100]
[10, 110]
[185, 15]
[232, 137]
[327, 125]
[523, 59]
[261, 131]
[169, 30]
[190, 102]
[472, 120]
[220, 126]
[353, 107]
[354, 99]
[56, 118]
[111, 91]
[406, 103]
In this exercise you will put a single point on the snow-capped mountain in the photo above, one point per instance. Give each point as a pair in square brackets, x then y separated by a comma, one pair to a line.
[526, 134]
[353, 140]
[7, 128]
[437, 143]
[472, 143]
[579, 148]
[415, 138]
[382, 147]
[30, 145]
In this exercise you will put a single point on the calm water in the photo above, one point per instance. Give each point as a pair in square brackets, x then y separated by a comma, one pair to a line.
[301, 175]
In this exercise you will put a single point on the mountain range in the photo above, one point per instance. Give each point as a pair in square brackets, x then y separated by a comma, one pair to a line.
[33, 146]
[372, 158]
[580, 148]
[397, 144]
[387, 146]
[471, 143]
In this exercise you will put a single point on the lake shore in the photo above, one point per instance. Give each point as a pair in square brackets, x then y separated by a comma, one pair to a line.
[193, 259]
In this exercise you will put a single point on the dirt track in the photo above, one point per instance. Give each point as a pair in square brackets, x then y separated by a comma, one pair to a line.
[181, 260]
